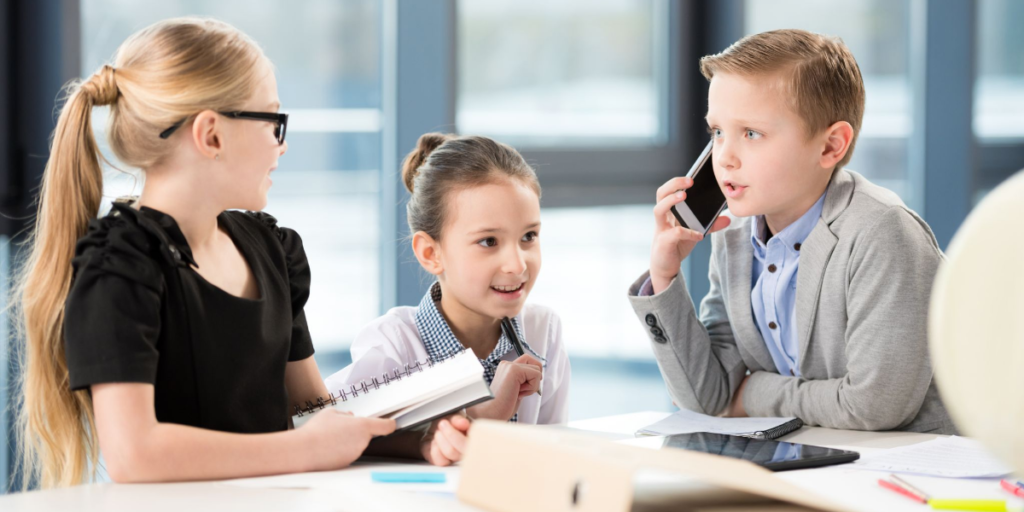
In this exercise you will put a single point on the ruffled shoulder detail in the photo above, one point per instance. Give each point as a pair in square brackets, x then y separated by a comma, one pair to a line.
[290, 240]
[266, 220]
[122, 244]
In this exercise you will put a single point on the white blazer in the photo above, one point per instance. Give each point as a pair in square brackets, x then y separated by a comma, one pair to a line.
[393, 340]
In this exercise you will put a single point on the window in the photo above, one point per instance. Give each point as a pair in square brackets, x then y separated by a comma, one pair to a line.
[567, 73]
[876, 32]
[327, 185]
[582, 89]
[999, 90]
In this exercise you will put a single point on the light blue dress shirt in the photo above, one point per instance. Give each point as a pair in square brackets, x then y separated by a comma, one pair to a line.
[773, 290]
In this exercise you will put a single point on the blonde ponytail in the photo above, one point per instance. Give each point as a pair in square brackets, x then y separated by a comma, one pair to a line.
[161, 75]
[55, 425]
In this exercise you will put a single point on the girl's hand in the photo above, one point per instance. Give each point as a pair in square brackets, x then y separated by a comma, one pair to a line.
[512, 381]
[445, 442]
[672, 242]
[335, 439]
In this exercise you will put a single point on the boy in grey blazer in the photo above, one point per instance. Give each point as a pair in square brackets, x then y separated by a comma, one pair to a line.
[820, 280]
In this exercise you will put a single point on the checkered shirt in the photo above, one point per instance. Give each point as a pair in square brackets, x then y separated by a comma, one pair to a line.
[439, 340]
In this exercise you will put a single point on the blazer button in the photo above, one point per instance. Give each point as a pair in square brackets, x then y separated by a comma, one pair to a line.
[175, 253]
[660, 339]
[656, 332]
[772, 325]
[650, 319]
[772, 268]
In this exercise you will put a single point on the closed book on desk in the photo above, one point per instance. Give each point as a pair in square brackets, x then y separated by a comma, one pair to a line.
[412, 395]
[688, 422]
[560, 470]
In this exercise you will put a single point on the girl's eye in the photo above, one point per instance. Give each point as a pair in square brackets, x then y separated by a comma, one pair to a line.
[488, 242]
[715, 133]
[752, 135]
[531, 236]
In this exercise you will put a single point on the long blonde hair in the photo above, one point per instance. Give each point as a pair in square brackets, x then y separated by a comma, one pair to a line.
[162, 74]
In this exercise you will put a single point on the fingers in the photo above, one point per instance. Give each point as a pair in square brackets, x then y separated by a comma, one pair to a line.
[460, 423]
[528, 359]
[445, 446]
[531, 384]
[672, 185]
[661, 210]
[456, 438]
[679, 234]
[379, 426]
[720, 224]
[529, 373]
[436, 457]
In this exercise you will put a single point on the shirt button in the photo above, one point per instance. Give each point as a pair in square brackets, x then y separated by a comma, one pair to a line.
[772, 268]
[772, 325]
[796, 246]
[650, 319]
[175, 253]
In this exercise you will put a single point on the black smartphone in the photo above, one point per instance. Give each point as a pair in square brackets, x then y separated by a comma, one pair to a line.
[704, 200]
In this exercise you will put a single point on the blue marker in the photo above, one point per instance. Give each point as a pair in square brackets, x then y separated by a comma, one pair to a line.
[393, 477]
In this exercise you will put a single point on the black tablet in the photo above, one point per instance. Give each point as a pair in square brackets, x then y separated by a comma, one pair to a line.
[773, 455]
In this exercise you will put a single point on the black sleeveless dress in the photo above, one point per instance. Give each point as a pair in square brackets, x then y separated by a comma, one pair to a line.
[138, 311]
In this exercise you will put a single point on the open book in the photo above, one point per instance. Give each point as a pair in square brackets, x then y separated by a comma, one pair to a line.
[413, 395]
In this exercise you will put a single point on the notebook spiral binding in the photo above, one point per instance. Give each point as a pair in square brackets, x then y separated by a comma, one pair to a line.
[783, 429]
[364, 387]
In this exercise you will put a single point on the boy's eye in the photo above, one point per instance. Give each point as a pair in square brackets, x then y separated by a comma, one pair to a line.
[531, 236]
[715, 133]
[488, 242]
[752, 135]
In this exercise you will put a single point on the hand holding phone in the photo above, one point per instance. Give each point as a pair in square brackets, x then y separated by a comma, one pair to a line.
[688, 208]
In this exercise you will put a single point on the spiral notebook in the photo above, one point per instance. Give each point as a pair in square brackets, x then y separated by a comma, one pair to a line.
[412, 395]
[688, 422]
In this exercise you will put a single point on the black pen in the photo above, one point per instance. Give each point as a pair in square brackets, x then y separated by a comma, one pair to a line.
[513, 337]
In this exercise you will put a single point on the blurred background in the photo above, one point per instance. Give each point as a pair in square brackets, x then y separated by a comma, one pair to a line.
[603, 97]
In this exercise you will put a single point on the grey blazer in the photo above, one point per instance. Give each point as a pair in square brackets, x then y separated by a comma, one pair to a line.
[863, 289]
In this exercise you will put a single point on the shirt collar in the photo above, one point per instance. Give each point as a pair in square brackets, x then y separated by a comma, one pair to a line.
[794, 234]
[440, 341]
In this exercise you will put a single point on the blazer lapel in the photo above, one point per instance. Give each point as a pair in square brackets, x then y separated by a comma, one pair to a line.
[815, 252]
[814, 255]
[739, 256]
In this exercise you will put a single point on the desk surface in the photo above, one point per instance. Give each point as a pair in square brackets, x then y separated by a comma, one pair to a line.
[351, 489]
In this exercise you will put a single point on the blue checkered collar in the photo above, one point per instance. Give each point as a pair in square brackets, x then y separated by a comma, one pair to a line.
[439, 340]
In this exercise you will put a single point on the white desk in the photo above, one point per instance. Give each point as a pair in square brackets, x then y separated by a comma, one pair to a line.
[352, 490]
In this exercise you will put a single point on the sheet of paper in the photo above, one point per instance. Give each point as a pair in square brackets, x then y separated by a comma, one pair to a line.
[688, 422]
[956, 457]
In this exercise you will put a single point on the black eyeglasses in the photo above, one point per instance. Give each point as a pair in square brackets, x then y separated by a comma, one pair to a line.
[280, 120]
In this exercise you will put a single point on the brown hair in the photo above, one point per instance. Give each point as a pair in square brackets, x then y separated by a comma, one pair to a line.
[164, 73]
[442, 163]
[821, 76]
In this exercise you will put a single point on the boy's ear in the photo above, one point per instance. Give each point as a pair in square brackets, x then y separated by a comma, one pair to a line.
[838, 138]
[206, 134]
[428, 252]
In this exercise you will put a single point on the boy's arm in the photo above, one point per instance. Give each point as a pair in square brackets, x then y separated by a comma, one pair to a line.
[888, 370]
[698, 358]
